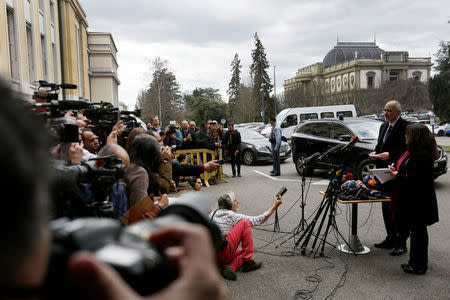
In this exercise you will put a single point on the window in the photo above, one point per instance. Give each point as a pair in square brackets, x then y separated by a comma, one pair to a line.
[44, 57]
[80, 63]
[394, 75]
[55, 63]
[12, 44]
[370, 79]
[290, 120]
[339, 131]
[52, 13]
[347, 113]
[30, 49]
[328, 114]
[321, 129]
[310, 116]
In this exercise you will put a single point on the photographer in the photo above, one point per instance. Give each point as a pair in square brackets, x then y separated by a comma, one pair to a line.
[237, 229]
[25, 231]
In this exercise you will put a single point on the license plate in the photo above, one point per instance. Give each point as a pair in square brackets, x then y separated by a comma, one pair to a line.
[282, 153]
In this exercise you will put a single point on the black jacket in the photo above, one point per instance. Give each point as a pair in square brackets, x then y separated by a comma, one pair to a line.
[202, 140]
[416, 202]
[395, 144]
[235, 141]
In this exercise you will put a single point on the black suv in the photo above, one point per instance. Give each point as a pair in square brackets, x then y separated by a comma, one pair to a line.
[320, 135]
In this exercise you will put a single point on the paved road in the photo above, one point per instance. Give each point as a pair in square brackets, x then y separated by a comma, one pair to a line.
[375, 275]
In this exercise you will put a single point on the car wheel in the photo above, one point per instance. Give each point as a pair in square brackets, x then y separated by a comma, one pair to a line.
[249, 157]
[364, 167]
[440, 133]
[309, 171]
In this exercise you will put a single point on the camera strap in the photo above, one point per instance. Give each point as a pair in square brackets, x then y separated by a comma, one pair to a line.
[276, 223]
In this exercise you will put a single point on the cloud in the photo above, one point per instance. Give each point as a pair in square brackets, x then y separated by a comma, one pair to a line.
[200, 38]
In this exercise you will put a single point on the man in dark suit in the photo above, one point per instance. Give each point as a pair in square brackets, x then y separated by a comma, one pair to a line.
[232, 141]
[391, 145]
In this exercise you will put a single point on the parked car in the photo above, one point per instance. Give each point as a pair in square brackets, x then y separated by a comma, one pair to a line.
[257, 148]
[320, 135]
[439, 128]
[447, 129]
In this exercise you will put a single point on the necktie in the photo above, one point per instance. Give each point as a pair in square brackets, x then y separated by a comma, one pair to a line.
[386, 135]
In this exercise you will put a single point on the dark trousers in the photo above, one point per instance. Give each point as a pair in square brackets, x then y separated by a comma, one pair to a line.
[276, 161]
[236, 161]
[395, 233]
[418, 254]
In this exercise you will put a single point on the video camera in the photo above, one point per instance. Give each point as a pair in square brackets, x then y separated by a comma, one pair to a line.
[100, 180]
[143, 265]
[51, 92]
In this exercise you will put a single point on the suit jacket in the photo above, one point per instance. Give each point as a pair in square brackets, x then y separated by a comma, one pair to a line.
[395, 143]
[416, 202]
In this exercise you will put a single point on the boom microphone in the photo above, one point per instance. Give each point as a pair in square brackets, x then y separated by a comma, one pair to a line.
[352, 141]
[65, 104]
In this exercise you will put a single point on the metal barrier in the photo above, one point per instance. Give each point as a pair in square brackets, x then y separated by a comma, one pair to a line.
[202, 156]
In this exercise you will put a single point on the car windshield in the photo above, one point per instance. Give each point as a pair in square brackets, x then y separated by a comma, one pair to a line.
[365, 130]
[250, 134]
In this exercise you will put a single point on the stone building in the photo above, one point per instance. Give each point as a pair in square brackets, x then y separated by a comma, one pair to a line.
[359, 65]
[29, 43]
[103, 66]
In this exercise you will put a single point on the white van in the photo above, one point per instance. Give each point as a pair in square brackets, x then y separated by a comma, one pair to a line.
[289, 118]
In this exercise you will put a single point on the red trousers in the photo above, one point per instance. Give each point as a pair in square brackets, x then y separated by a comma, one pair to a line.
[231, 255]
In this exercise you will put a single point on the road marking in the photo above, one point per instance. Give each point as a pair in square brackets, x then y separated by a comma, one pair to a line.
[320, 182]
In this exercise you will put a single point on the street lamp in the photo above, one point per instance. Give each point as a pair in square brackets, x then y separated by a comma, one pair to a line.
[262, 91]
[275, 90]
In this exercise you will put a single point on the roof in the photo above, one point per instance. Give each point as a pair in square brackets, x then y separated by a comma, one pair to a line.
[345, 51]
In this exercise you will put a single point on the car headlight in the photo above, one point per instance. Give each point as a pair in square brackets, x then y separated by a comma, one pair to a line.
[259, 148]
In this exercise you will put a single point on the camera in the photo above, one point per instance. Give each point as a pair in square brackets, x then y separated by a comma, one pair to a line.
[173, 148]
[144, 266]
[281, 192]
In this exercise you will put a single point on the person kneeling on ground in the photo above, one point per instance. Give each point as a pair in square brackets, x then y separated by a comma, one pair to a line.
[237, 228]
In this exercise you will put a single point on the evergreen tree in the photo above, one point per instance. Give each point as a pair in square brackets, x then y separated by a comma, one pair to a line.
[439, 85]
[206, 104]
[235, 83]
[261, 80]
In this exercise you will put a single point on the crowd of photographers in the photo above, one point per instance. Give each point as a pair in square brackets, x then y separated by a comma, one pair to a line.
[91, 161]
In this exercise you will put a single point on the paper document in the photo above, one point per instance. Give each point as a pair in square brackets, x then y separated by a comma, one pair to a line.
[383, 174]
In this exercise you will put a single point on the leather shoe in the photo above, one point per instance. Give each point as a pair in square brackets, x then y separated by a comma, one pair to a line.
[239, 175]
[384, 245]
[251, 265]
[398, 251]
[273, 174]
[227, 272]
[408, 269]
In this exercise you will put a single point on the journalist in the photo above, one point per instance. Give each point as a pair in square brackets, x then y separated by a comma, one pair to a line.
[237, 229]
[25, 229]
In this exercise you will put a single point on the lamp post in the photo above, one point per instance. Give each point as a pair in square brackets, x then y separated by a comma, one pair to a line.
[275, 91]
[262, 90]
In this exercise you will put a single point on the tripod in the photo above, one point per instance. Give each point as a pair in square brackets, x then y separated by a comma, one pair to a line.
[327, 208]
[302, 224]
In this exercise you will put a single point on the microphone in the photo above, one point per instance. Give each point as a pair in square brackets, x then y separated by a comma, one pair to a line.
[68, 86]
[310, 159]
[352, 141]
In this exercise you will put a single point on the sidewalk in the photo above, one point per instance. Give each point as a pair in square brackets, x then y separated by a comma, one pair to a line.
[443, 141]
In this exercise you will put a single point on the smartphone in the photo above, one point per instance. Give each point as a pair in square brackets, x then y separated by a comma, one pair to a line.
[68, 133]
[220, 162]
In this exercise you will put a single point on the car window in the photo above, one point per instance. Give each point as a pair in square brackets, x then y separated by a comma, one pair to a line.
[289, 121]
[339, 130]
[328, 114]
[366, 130]
[247, 134]
[310, 116]
[316, 129]
[347, 113]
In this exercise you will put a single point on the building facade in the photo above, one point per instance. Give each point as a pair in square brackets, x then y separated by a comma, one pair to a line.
[30, 48]
[75, 65]
[103, 78]
[360, 65]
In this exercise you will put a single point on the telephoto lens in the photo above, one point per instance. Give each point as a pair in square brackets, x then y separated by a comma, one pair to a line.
[144, 266]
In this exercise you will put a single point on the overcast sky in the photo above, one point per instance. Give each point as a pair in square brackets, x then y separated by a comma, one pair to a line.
[200, 38]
